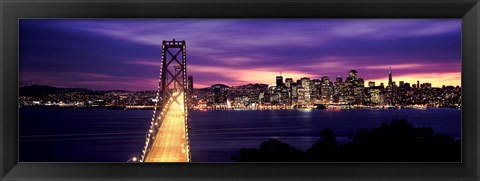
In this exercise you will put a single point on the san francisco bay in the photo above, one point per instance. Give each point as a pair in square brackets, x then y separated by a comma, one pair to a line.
[103, 135]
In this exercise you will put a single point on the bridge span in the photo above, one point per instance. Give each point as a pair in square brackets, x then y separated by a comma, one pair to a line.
[170, 143]
[167, 137]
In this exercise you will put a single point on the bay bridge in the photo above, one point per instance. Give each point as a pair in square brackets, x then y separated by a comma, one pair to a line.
[167, 137]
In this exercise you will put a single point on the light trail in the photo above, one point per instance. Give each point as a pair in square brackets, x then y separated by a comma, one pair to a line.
[170, 142]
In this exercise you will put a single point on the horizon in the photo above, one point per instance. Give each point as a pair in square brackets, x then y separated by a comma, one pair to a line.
[365, 85]
[124, 54]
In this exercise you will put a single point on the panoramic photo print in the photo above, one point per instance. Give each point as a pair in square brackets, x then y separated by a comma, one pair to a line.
[240, 90]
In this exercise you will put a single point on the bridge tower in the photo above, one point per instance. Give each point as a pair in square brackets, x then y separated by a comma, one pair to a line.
[167, 138]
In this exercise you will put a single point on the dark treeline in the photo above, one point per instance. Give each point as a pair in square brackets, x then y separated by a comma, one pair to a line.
[397, 141]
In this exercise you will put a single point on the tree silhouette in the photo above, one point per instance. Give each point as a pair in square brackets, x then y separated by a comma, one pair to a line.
[271, 150]
[325, 149]
[397, 141]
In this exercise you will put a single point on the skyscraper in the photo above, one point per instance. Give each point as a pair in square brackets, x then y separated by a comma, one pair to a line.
[325, 80]
[390, 77]
[190, 90]
[371, 84]
[279, 81]
[353, 75]
[220, 93]
[339, 79]
[294, 92]
[289, 86]
[326, 90]
[390, 85]
[190, 83]
[361, 82]
[288, 82]
[217, 93]
[338, 90]
[305, 91]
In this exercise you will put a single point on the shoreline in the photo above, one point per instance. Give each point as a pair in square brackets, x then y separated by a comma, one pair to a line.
[233, 109]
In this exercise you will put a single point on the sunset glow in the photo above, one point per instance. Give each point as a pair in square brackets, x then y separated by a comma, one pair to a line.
[106, 54]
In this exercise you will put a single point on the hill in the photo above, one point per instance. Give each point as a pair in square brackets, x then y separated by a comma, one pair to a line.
[36, 90]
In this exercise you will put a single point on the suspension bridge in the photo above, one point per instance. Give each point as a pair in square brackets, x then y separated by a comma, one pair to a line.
[167, 137]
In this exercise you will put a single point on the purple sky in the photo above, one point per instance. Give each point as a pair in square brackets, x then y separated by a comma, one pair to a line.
[105, 54]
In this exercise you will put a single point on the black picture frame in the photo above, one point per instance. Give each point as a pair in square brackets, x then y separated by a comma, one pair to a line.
[467, 10]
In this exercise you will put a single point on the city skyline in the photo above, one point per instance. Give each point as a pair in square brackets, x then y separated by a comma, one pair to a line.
[125, 54]
[332, 80]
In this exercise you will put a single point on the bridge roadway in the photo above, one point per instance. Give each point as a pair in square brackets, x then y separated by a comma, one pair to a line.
[170, 144]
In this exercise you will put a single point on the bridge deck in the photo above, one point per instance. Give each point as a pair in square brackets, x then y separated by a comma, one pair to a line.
[170, 144]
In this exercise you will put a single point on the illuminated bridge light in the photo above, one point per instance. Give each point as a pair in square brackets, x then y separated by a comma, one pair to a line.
[167, 138]
[170, 138]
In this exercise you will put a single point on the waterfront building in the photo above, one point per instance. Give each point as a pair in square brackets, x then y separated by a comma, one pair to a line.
[294, 92]
[220, 93]
[354, 88]
[261, 97]
[375, 96]
[338, 90]
[303, 96]
[326, 91]
[285, 96]
[315, 88]
[305, 91]
[358, 91]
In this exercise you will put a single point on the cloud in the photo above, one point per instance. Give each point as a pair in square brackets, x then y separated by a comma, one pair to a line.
[396, 66]
[393, 29]
[155, 63]
[113, 52]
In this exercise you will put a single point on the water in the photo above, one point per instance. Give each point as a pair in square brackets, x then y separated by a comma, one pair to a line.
[102, 135]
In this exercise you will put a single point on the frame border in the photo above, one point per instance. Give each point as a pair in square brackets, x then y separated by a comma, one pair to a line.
[12, 10]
